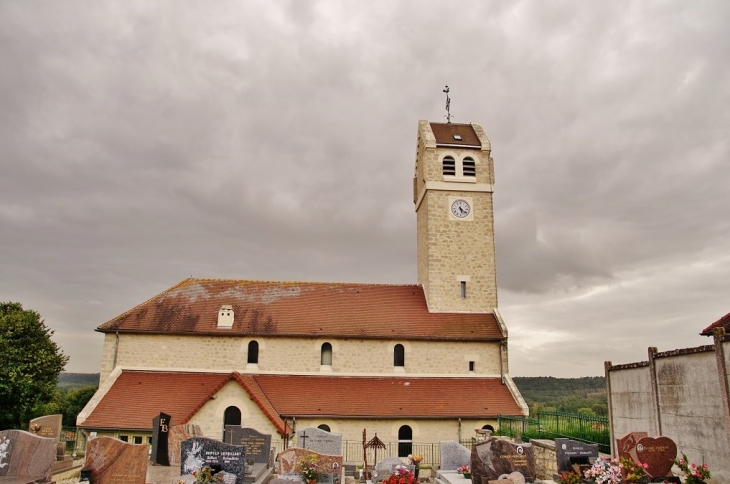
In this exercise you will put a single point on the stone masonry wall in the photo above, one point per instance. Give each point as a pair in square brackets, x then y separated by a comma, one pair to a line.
[299, 355]
[448, 248]
[546, 462]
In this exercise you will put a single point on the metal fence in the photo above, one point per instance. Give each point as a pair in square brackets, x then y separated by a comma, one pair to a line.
[551, 425]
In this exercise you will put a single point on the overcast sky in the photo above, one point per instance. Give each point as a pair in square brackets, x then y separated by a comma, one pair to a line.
[145, 142]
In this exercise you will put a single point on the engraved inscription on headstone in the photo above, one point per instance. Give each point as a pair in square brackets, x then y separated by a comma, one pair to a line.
[320, 441]
[160, 433]
[46, 426]
[626, 445]
[496, 457]
[570, 452]
[258, 445]
[200, 451]
[658, 453]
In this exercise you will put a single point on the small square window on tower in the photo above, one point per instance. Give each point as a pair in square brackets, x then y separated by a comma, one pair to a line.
[471, 367]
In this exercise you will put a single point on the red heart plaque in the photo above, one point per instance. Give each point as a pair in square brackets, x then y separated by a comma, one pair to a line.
[659, 453]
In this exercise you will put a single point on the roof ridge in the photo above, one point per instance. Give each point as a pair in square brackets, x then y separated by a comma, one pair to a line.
[275, 419]
[147, 301]
[209, 396]
[323, 283]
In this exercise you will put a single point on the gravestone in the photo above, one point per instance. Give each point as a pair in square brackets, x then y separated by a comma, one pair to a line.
[626, 445]
[331, 465]
[177, 434]
[658, 453]
[384, 467]
[569, 452]
[496, 457]
[46, 426]
[160, 432]
[27, 456]
[320, 441]
[258, 445]
[200, 451]
[111, 460]
[453, 455]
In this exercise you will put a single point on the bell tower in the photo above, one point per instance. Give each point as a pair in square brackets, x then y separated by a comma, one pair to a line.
[452, 192]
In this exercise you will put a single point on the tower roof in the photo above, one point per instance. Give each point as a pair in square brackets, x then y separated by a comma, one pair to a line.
[455, 134]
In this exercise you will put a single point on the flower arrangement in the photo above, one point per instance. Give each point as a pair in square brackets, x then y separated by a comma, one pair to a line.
[693, 473]
[401, 475]
[632, 471]
[605, 471]
[464, 470]
[205, 474]
[309, 467]
[569, 477]
[415, 459]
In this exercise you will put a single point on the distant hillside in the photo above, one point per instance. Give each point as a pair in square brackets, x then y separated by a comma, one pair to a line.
[587, 394]
[77, 380]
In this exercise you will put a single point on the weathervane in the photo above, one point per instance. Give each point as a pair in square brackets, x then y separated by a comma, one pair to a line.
[448, 105]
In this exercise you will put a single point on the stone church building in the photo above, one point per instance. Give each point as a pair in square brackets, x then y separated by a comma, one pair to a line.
[415, 363]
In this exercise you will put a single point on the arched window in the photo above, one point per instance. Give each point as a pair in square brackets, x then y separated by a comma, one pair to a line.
[326, 354]
[324, 427]
[488, 427]
[399, 355]
[449, 166]
[253, 352]
[469, 167]
[405, 441]
[231, 416]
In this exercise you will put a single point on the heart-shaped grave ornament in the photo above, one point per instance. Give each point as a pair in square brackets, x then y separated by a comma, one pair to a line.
[658, 453]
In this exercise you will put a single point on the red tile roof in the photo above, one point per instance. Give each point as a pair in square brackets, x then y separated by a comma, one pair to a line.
[138, 396]
[302, 309]
[444, 134]
[723, 322]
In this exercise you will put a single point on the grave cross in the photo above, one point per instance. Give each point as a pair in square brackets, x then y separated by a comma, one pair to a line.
[304, 439]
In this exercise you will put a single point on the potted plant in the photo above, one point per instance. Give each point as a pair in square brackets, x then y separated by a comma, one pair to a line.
[207, 474]
[309, 468]
[465, 471]
[693, 473]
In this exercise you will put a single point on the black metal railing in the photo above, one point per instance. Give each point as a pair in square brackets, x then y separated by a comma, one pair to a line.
[552, 425]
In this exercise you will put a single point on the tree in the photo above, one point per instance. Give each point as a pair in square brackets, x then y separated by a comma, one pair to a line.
[74, 401]
[30, 363]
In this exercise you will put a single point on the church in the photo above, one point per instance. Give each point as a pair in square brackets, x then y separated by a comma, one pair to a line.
[414, 363]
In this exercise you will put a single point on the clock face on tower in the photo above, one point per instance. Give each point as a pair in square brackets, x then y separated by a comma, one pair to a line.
[460, 209]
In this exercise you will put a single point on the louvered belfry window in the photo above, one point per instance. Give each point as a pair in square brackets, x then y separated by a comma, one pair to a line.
[449, 166]
[470, 168]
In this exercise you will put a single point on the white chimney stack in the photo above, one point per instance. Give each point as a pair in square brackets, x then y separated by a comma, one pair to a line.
[225, 317]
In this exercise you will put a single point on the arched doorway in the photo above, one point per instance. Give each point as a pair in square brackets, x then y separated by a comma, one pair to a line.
[324, 427]
[405, 441]
[232, 416]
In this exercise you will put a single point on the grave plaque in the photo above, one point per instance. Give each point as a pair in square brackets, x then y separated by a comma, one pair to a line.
[258, 445]
[496, 457]
[160, 432]
[179, 433]
[200, 451]
[111, 460]
[320, 441]
[46, 426]
[453, 455]
[25, 455]
[329, 464]
[626, 445]
[658, 453]
[570, 452]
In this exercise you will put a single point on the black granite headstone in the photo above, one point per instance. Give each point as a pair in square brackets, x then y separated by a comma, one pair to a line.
[200, 451]
[160, 430]
[258, 445]
[569, 452]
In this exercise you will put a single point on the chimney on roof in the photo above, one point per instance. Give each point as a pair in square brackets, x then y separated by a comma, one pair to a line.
[225, 317]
